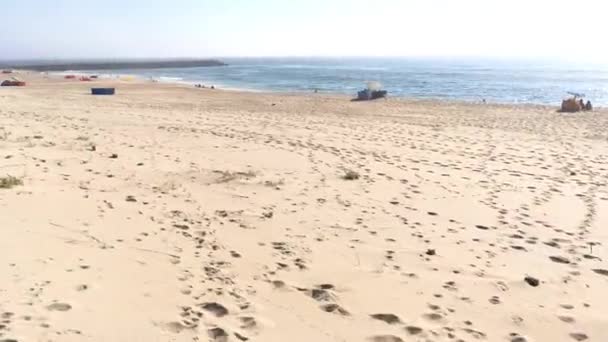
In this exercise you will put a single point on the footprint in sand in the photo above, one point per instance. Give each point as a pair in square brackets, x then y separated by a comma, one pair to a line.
[82, 287]
[248, 322]
[335, 309]
[59, 307]
[321, 295]
[413, 330]
[218, 335]
[579, 336]
[241, 337]
[215, 308]
[601, 271]
[494, 300]
[478, 335]
[433, 317]
[278, 284]
[385, 338]
[513, 337]
[566, 319]
[176, 327]
[387, 318]
[559, 259]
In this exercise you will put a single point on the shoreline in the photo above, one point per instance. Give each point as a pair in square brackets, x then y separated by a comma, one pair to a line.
[187, 84]
[302, 92]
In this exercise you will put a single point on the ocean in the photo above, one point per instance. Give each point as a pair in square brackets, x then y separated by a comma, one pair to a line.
[466, 79]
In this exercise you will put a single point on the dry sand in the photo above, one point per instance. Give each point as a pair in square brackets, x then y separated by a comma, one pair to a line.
[167, 213]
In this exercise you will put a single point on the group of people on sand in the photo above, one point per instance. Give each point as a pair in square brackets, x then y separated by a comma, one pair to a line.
[585, 106]
[203, 86]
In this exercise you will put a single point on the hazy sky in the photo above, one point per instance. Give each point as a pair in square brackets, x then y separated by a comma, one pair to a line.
[199, 28]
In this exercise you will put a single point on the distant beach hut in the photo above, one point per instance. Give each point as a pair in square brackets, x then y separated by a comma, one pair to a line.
[85, 78]
[94, 77]
[7, 71]
[70, 77]
[103, 91]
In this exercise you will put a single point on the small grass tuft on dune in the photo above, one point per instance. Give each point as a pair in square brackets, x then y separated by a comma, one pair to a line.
[229, 176]
[9, 182]
[350, 175]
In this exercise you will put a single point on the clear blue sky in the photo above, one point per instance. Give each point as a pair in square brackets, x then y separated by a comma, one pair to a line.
[201, 28]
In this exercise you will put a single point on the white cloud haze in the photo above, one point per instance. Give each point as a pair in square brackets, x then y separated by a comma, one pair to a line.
[195, 28]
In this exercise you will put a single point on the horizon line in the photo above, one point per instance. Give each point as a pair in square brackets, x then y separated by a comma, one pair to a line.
[218, 57]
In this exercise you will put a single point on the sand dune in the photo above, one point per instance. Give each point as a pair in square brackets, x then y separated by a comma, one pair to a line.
[174, 214]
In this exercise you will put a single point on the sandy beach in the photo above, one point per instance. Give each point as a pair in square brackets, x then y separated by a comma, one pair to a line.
[170, 213]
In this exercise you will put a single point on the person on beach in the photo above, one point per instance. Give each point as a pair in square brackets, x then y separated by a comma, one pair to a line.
[588, 106]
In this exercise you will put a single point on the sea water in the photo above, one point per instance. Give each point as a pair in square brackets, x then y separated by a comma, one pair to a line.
[466, 79]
